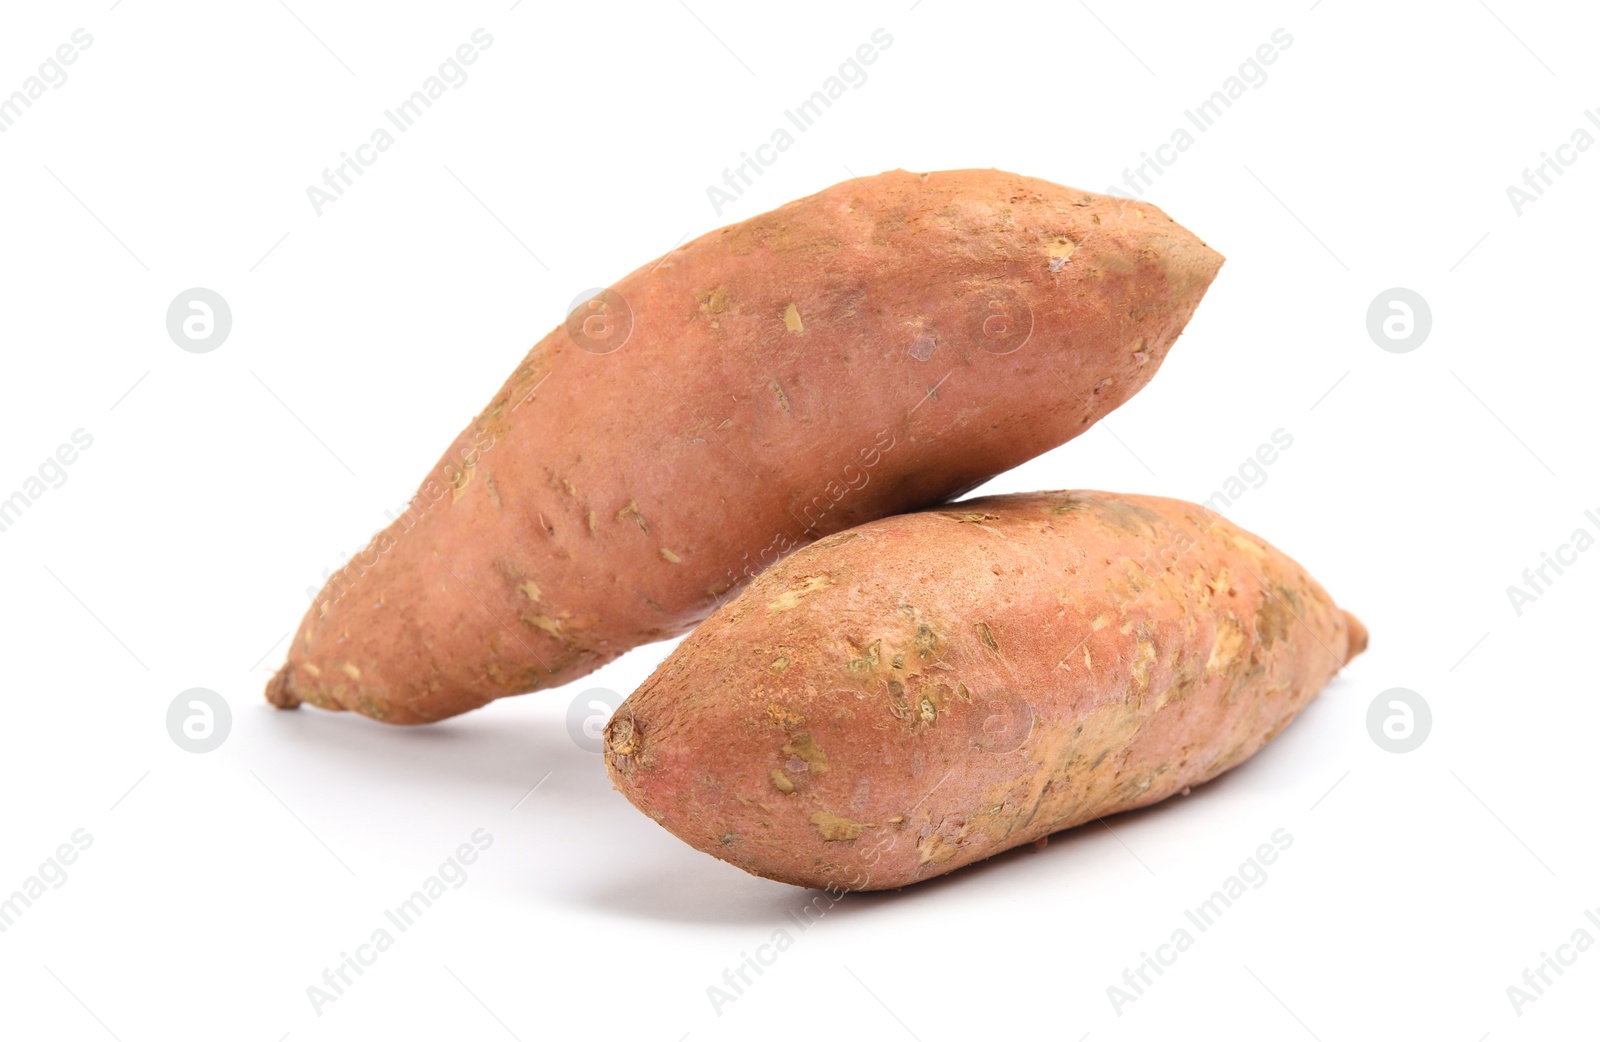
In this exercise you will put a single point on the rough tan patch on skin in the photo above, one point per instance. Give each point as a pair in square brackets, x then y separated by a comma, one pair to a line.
[716, 301]
[462, 479]
[351, 671]
[793, 596]
[934, 848]
[867, 661]
[311, 667]
[781, 781]
[670, 557]
[530, 588]
[791, 320]
[779, 664]
[810, 753]
[837, 828]
[1248, 545]
[985, 635]
[1059, 251]
[544, 622]
[632, 510]
[783, 399]
[622, 740]
[1072, 769]
[592, 520]
[1144, 656]
[1226, 646]
[785, 717]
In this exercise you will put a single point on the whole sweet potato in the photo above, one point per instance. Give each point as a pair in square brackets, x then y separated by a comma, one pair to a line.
[876, 347]
[916, 694]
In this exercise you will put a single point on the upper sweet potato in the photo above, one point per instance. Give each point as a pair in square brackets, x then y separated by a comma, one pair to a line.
[876, 347]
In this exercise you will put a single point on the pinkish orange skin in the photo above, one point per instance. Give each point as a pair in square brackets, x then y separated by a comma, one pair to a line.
[876, 347]
[928, 690]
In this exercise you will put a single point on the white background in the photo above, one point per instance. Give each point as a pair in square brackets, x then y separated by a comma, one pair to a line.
[219, 486]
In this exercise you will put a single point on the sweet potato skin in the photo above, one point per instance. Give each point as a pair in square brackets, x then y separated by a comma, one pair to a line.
[919, 693]
[876, 347]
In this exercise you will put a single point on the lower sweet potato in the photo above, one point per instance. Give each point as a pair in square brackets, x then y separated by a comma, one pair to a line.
[924, 691]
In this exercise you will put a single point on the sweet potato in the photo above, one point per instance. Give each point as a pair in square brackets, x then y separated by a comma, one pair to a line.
[910, 696]
[876, 347]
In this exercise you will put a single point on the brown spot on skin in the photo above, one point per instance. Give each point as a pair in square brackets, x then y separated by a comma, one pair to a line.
[836, 828]
[783, 399]
[781, 781]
